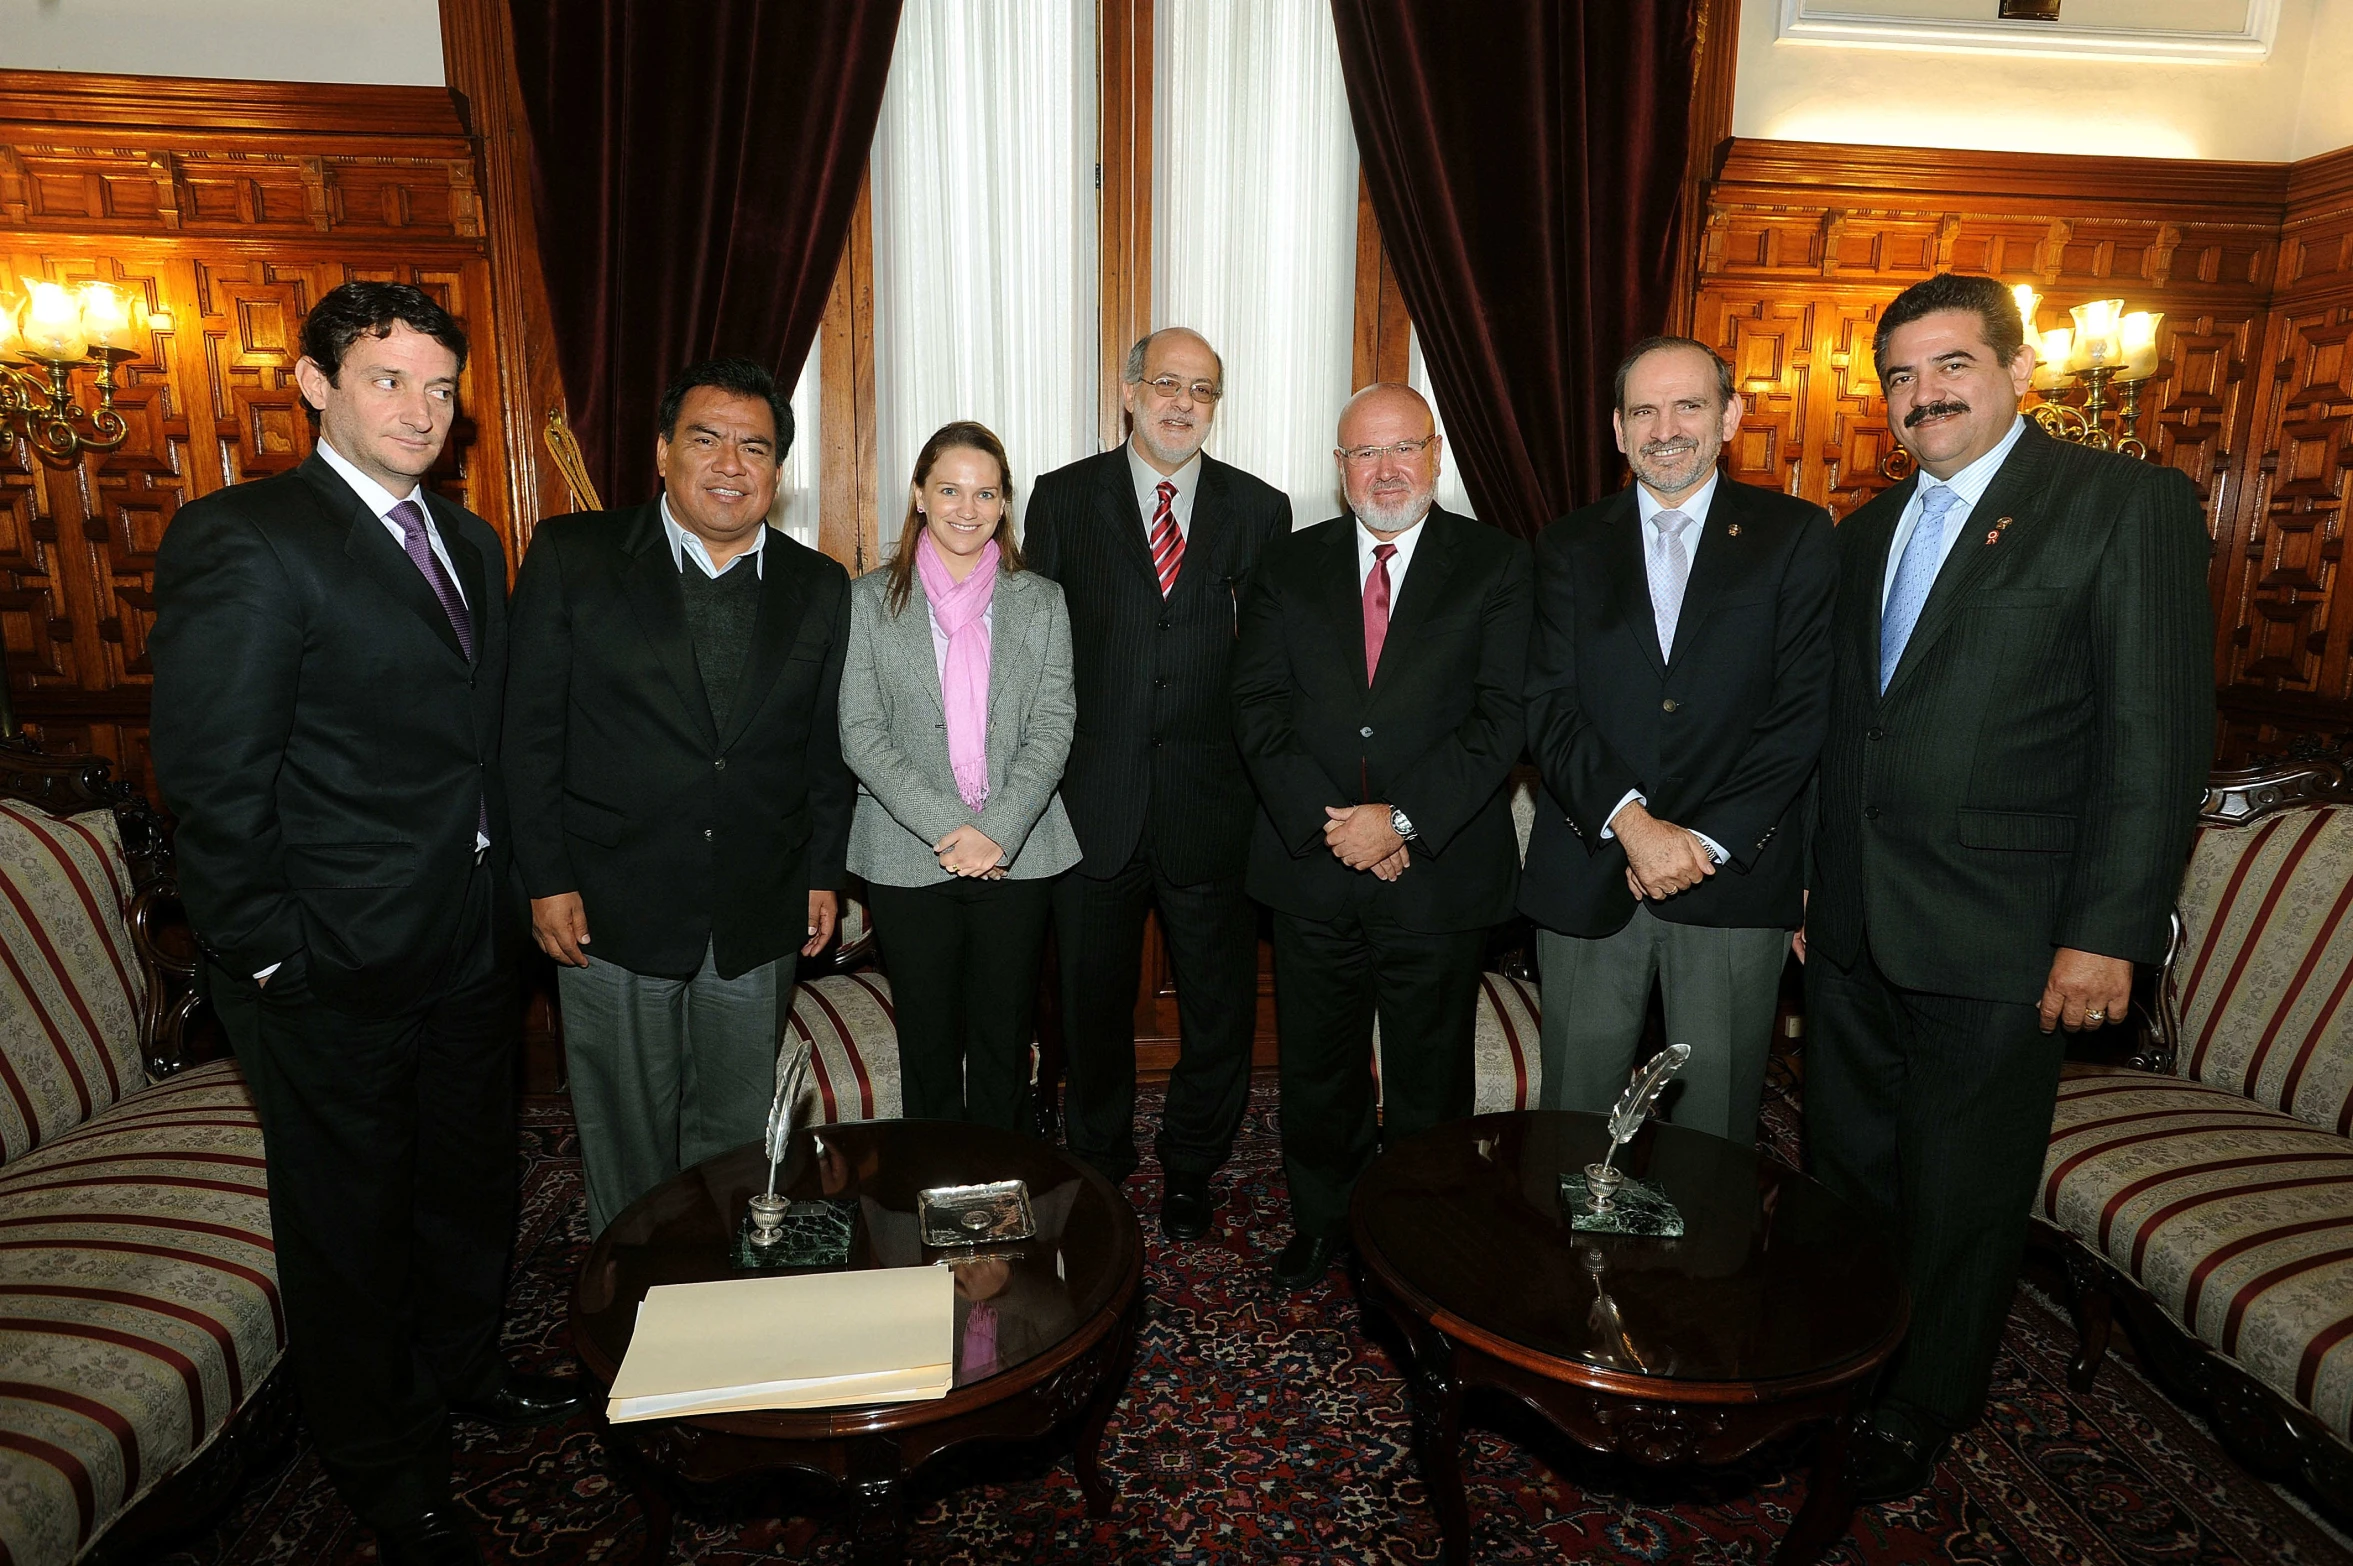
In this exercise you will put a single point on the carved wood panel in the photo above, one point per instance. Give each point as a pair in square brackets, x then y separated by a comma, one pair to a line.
[2287, 633]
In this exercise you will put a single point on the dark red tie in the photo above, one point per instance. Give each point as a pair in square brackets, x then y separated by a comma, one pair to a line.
[1376, 609]
[1168, 545]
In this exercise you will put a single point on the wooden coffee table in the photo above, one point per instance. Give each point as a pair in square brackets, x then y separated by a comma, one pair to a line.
[1064, 1314]
[1772, 1311]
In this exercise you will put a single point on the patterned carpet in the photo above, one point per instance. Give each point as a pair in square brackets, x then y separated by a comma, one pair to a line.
[1266, 1429]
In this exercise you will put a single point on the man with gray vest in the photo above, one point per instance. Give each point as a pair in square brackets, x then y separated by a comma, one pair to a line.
[674, 760]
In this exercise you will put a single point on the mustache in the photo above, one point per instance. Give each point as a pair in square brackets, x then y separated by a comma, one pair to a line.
[1934, 410]
[1680, 446]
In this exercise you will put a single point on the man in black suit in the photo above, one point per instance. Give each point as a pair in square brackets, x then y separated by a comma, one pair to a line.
[330, 648]
[1377, 699]
[2020, 726]
[1678, 688]
[1152, 544]
[673, 752]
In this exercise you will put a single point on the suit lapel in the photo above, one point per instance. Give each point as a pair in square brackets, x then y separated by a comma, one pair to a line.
[1629, 577]
[1009, 625]
[2011, 495]
[1201, 537]
[651, 585]
[1116, 505]
[472, 576]
[1425, 583]
[774, 630]
[1866, 581]
[1343, 597]
[370, 544]
[1715, 563]
[913, 627]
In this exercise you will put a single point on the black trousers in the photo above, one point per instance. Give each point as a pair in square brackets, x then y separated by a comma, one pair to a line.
[963, 959]
[391, 1147]
[1933, 1111]
[1332, 978]
[1212, 931]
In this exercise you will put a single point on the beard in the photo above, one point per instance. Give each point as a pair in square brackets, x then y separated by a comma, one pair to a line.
[1396, 514]
[1155, 438]
[1669, 466]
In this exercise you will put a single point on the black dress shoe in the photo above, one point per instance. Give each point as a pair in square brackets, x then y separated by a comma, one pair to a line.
[1185, 1207]
[429, 1539]
[522, 1401]
[1305, 1260]
[1891, 1457]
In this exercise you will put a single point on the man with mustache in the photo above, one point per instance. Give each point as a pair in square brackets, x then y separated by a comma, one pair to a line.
[673, 751]
[2021, 721]
[1152, 543]
[1678, 687]
[1377, 699]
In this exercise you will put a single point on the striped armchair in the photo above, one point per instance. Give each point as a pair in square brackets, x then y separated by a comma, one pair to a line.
[139, 1318]
[2207, 1188]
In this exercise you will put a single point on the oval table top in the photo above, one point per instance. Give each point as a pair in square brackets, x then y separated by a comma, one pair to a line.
[1776, 1286]
[1051, 1297]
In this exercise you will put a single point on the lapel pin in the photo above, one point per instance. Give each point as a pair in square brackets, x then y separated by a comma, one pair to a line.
[1733, 531]
[1994, 536]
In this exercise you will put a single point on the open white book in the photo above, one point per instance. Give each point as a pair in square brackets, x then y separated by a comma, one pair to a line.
[812, 1340]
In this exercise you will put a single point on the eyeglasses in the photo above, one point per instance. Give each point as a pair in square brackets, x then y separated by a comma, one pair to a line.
[1403, 451]
[1168, 386]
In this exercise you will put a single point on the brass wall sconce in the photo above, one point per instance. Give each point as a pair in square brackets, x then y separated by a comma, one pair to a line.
[47, 334]
[2107, 349]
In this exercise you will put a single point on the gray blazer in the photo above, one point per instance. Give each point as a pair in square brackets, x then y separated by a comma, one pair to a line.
[895, 733]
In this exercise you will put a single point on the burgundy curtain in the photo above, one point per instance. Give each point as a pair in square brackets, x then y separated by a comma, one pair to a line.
[696, 166]
[1524, 159]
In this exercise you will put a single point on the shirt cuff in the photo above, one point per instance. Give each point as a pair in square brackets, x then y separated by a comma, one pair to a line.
[1714, 848]
[1633, 796]
[266, 972]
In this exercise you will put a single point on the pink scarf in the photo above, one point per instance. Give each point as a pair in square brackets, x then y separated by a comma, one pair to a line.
[964, 682]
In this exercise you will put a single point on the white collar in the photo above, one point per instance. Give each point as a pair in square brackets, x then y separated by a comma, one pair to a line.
[373, 495]
[685, 546]
[1695, 506]
[1972, 481]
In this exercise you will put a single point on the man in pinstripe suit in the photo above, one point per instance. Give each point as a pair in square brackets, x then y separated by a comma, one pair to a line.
[1152, 543]
[2021, 722]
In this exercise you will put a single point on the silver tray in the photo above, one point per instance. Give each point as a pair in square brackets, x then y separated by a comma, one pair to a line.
[993, 1214]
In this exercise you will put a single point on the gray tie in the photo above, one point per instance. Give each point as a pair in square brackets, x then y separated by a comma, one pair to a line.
[1670, 568]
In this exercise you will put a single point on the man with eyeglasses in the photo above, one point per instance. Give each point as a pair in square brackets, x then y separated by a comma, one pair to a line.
[1152, 543]
[1377, 699]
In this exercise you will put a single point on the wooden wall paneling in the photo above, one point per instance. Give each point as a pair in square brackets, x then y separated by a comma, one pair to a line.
[1383, 348]
[849, 500]
[1123, 195]
[1715, 56]
[226, 208]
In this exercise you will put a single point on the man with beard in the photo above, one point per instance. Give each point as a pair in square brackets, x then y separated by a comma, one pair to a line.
[1678, 687]
[1377, 699]
[2020, 723]
[1152, 543]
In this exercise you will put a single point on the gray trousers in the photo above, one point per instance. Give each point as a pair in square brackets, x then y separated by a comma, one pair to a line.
[667, 1072]
[1719, 987]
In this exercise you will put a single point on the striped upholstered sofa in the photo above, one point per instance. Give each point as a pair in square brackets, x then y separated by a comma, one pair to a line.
[2206, 1189]
[139, 1320]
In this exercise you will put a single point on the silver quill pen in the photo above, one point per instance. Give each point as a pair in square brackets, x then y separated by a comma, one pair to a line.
[1634, 1104]
[792, 1072]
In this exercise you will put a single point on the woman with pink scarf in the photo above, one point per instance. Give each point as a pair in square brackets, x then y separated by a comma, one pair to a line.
[956, 714]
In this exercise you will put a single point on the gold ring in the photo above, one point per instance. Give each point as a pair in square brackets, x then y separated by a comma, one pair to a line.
[2096, 1014]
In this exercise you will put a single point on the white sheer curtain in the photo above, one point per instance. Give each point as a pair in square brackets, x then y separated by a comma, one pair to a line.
[984, 236]
[1254, 225]
[1451, 494]
[796, 481]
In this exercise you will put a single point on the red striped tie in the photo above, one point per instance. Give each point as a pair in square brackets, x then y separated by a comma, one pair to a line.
[1168, 545]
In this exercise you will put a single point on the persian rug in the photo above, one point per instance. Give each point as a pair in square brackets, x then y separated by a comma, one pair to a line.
[1269, 1428]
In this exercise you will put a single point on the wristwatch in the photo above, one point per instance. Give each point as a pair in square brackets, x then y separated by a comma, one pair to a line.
[1401, 823]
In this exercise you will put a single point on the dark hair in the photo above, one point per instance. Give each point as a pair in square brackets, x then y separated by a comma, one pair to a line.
[738, 378]
[1650, 345]
[350, 311]
[1996, 310]
[948, 437]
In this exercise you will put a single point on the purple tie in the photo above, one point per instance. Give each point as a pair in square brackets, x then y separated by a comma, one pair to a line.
[411, 519]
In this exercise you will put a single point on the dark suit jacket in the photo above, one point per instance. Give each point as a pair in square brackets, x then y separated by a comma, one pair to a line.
[2032, 775]
[1436, 734]
[675, 835]
[1154, 752]
[321, 737]
[1721, 738]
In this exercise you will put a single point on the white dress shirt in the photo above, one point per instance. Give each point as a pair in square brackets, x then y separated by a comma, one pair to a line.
[380, 502]
[1970, 484]
[1148, 480]
[1648, 506]
[685, 546]
[1399, 562]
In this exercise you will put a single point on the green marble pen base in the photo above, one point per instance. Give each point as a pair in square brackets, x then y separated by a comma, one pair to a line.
[1635, 1209]
[816, 1234]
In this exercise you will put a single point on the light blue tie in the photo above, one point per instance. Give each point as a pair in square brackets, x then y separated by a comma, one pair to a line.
[1915, 574]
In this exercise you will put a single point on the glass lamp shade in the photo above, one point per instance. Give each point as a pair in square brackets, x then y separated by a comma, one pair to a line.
[2098, 324]
[2028, 302]
[10, 303]
[2139, 338]
[2051, 356]
[52, 324]
[107, 316]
